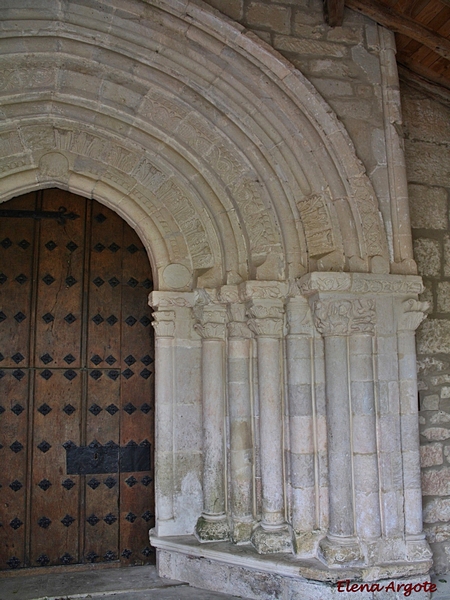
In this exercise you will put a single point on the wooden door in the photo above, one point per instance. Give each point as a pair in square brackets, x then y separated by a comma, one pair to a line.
[76, 385]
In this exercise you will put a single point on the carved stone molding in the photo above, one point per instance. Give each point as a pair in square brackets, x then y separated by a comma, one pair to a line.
[299, 318]
[172, 299]
[344, 317]
[211, 322]
[263, 290]
[412, 314]
[358, 283]
[266, 319]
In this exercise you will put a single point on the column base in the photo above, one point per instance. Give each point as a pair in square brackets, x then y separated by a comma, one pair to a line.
[339, 551]
[417, 548]
[242, 531]
[212, 528]
[271, 540]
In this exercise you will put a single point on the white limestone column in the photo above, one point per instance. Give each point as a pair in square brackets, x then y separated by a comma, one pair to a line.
[334, 319]
[267, 322]
[411, 315]
[364, 436]
[213, 524]
[302, 425]
[240, 414]
[164, 325]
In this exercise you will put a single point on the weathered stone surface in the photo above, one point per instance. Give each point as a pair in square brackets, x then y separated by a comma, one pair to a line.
[438, 532]
[433, 337]
[431, 455]
[437, 510]
[436, 433]
[428, 207]
[274, 17]
[436, 483]
[443, 296]
[430, 402]
[427, 253]
[425, 163]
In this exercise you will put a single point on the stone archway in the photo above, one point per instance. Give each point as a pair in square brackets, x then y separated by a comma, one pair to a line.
[259, 220]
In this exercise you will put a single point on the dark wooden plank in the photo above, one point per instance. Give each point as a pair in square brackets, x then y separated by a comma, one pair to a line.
[334, 12]
[402, 24]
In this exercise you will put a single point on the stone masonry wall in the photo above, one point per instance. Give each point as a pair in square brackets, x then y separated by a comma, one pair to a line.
[427, 145]
[342, 63]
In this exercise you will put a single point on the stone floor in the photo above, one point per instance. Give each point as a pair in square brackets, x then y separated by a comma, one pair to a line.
[137, 583]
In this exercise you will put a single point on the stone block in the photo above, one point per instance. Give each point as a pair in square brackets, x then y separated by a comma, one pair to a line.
[427, 253]
[436, 483]
[440, 379]
[331, 88]
[437, 510]
[443, 296]
[430, 402]
[436, 433]
[427, 163]
[232, 8]
[431, 455]
[428, 207]
[286, 43]
[447, 256]
[438, 532]
[429, 364]
[433, 337]
[425, 118]
[445, 391]
[439, 418]
[272, 16]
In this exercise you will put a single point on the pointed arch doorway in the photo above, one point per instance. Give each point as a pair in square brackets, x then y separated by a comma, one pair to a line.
[76, 385]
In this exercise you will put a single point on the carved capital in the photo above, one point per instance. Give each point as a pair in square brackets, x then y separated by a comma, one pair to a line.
[237, 321]
[164, 323]
[211, 323]
[412, 313]
[266, 318]
[299, 318]
[344, 317]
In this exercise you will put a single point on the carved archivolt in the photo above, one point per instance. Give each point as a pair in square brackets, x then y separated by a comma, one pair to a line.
[212, 175]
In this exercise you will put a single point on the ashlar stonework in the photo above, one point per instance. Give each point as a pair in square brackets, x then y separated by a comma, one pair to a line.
[286, 296]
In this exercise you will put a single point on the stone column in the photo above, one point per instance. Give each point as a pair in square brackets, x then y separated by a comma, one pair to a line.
[302, 424]
[411, 314]
[340, 545]
[164, 325]
[213, 524]
[240, 412]
[168, 305]
[266, 312]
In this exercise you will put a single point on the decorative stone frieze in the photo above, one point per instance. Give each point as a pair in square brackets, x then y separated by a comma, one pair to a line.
[344, 317]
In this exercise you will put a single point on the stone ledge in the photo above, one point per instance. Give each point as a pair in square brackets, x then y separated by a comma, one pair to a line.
[240, 571]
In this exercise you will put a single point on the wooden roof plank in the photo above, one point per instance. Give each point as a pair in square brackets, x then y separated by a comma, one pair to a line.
[334, 12]
[402, 24]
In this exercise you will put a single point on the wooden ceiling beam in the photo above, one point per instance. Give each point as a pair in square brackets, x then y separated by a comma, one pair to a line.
[334, 12]
[402, 24]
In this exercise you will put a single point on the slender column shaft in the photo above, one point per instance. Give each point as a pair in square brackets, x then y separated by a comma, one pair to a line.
[409, 424]
[271, 419]
[273, 535]
[365, 461]
[164, 476]
[212, 525]
[241, 443]
[301, 417]
[339, 443]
